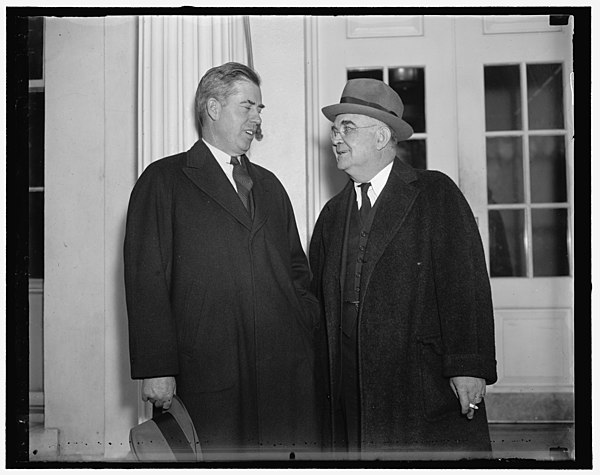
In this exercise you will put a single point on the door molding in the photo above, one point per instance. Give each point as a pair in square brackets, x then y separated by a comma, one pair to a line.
[311, 78]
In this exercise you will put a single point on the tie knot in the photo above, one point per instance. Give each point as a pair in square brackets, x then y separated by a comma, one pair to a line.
[234, 160]
[364, 188]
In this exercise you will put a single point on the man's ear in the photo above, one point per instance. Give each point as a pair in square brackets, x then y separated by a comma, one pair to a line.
[213, 108]
[383, 137]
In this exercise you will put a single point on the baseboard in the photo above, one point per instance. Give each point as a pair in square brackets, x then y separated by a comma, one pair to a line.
[43, 444]
[530, 407]
[36, 409]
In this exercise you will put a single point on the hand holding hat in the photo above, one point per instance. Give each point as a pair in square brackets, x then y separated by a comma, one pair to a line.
[168, 437]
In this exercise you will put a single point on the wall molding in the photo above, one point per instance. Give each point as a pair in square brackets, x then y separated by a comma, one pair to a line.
[493, 25]
[532, 369]
[380, 27]
[313, 169]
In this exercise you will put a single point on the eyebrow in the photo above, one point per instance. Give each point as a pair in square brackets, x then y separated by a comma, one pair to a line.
[252, 103]
[347, 122]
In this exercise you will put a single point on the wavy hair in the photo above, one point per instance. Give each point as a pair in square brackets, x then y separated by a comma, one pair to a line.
[219, 82]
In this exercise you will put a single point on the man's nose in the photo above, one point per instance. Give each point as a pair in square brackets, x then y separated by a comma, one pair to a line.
[336, 138]
[256, 118]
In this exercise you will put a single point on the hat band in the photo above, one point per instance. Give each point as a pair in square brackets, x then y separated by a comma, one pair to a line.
[355, 100]
[174, 436]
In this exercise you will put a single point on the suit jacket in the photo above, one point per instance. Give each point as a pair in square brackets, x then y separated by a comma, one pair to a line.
[222, 302]
[425, 315]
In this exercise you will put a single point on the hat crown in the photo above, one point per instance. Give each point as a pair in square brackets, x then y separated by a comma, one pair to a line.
[377, 93]
[373, 98]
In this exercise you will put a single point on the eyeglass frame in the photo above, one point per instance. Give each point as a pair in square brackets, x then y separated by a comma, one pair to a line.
[334, 131]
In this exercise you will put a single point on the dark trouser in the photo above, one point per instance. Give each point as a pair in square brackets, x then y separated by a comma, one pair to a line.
[350, 396]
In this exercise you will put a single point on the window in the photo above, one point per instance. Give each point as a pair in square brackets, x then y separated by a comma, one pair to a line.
[528, 206]
[36, 212]
[36, 148]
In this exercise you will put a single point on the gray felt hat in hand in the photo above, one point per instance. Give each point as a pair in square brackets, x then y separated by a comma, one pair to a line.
[167, 437]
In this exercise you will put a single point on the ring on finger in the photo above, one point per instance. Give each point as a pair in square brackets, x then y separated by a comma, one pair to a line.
[473, 406]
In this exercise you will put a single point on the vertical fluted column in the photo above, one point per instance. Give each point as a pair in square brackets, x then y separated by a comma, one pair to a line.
[174, 53]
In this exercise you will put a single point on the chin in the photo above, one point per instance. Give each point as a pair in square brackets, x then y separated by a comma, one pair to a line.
[341, 163]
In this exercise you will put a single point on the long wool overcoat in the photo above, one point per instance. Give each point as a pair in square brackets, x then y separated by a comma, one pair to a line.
[222, 301]
[425, 315]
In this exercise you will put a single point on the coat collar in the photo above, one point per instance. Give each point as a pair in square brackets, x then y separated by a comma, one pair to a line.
[203, 170]
[394, 203]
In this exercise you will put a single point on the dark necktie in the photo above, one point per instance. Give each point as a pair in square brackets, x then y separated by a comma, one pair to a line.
[243, 181]
[365, 208]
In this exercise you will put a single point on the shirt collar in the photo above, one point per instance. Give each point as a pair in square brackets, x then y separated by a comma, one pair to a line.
[378, 181]
[221, 156]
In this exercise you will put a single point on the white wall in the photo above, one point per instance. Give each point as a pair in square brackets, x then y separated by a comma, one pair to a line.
[278, 46]
[120, 159]
[90, 74]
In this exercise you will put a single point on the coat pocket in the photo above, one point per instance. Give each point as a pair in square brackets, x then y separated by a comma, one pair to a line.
[188, 316]
[437, 398]
[206, 346]
[210, 366]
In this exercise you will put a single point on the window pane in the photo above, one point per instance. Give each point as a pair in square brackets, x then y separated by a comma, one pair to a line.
[545, 96]
[413, 152]
[548, 169]
[409, 83]
[507, 248]
[36, 235]
[365, 73]
[502, 98]
[504, 170]
[550, 253]
[35, 48]
[36, 139]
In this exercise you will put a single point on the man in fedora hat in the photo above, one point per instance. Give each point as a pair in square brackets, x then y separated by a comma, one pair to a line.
[399, 268]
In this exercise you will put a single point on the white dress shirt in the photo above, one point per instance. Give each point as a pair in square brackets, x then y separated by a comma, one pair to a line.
[377, 184]
[224, 161]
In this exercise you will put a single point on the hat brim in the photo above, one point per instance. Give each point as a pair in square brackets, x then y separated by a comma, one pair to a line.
[403, 129]
[183, 418]
[153, 441]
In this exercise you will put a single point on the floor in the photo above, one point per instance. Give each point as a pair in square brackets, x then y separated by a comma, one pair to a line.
[537, 441]
[522, 441]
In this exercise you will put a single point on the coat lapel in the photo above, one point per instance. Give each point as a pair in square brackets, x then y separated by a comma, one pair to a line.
[335, 266]
[261, 193]
[202, 169]
[397, 199]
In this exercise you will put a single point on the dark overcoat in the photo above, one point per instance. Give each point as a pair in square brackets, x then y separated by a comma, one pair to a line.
[425, 315]
[222, 301]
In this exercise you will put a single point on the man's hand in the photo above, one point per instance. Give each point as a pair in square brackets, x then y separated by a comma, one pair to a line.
[469, 391]
[159, 391]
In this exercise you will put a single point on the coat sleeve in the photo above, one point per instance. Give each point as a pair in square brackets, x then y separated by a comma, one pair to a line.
[317, 258]
[148, 262]
[462, 286]
[301, 275]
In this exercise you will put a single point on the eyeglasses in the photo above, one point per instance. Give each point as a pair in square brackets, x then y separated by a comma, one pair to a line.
[347, 130]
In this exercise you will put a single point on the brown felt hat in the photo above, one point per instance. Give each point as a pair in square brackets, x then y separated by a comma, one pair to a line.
[372, 98]
[167, 437]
